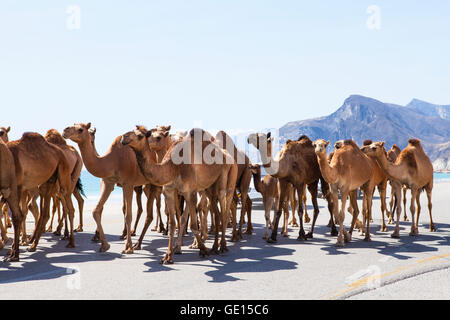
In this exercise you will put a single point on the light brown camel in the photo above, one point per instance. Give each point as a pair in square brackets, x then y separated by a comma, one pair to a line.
[268, 187]
[296, 163]
[44, 165]
[380, 181]
[9, 192]
[412, 168]
[117, 166]
[349, 169]
[138, 191]
[194, 164]
[242, 184]
[75, 165]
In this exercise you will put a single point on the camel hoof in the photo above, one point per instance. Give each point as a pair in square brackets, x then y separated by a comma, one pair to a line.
[95, 239]
[128, 251]
[57, 233]
[383, 229]
[137, 246]
[432, 228]
[165, 233]
[66, 237]
[177, 250]
[215, 249]
[154, 229]
[31, 249]
[104, 248]
[285, 234]
[367, 239]
[133, 233]
[265, 237]
[70, 245]
[307, 220]
[223, 249]
[270, 240]
[123, 237]
[49, 230]
[167, 260]
[309, 235]
[395, 235]
[11, 259]
[301, 238]
[79, 229]
[339, 244]
[249, 231]
[330, 224]
[193, 246]
[405, 218]
[334, 232]
[204, 252]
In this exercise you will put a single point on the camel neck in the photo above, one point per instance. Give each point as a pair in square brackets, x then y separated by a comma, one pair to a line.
[257, 182]
[159, 174]
[96, 165]
[390, 168]
[328, 172]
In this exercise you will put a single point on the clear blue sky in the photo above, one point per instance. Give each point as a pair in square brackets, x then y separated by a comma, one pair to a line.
[231, 64]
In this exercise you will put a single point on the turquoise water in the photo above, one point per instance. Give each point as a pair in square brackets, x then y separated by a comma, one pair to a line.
[91, 184]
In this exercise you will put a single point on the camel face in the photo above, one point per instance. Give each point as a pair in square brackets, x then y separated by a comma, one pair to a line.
[320, 146]
[78, 132]
[259, 140]
[135, 139]
[4, 133]
[158, 138]
[375, 149]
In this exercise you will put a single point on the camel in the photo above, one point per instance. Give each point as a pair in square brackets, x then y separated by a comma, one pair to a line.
[413, 169]
[117, 166]
[296, 163]
[194, 164]
[349, 169]
[242, 184]
[4, 136]
[268, 187]
[75, 164]
[138, 191]
[44, 165]
[9, 193]
[380, 181]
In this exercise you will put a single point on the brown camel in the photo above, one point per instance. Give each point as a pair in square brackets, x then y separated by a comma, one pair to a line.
[75, 164]
[296, 163]
[44, 165]
[380, 181]
[117, 166]
[349, 169]
[9, 193]
[268, 187]
[412, 168]
[242, 184]
[194, 164]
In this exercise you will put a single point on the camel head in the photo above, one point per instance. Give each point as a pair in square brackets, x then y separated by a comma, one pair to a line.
[4, 134]
[259, 140]
[136, 139]
[320, 146]
[159, 138]
[375, 149]
[78, 133]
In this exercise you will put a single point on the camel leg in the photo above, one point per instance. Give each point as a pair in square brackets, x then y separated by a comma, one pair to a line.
[105, 191]
[293, 203]
[248, 209]
[312, 188]
[69, 212]
[4, 234]
[397, 204]
[391, 206]
[148, 219]
[368, 195]
[429, 189]
[183, 223]
[325, 187]
[301, 234]
[355, 210]
[123, 236]
[170, 196]
[138, 192]
[235, 236]
[216, 217]
[60, 218]
[24, 209]
[224, 215]
[340, 216]
[45, 191]
[284, 229]
[267, 208]
[281, 200]
[162, 229]
[405, 216]
[50, 227]
[382, 191]
[128, 197]
[418, 209]
[190, 203]
[414, 229]
[80, 201]
[17, 216]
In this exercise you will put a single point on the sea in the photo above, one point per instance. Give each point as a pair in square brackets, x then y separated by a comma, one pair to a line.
[91, 186]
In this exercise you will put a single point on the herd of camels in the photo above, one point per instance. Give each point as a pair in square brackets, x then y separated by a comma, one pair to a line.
[142, 161]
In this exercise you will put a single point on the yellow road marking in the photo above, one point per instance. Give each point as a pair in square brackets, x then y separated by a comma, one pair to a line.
[359, 283]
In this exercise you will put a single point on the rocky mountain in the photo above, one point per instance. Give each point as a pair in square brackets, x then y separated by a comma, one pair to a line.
[361, 118]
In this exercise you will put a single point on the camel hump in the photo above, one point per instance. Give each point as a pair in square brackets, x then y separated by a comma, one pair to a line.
[414, 142]
[32, 137]
[409, 158]
[304, 137]
[367, 142]
[350, 142]
[53, 136]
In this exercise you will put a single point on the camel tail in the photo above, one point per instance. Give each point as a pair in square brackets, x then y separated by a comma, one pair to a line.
[79, 187]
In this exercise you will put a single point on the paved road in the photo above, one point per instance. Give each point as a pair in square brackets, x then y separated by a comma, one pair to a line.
[252, 269]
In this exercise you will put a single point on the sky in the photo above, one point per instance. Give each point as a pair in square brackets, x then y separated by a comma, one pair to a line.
[222, 64]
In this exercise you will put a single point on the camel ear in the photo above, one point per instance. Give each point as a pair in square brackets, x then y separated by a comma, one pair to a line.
[165, 134]
[7, 129]
[167, 128]
[94, 130]
[327, 143]
[148, 133]
[383, 143]
[269, 134]
[88, 125]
